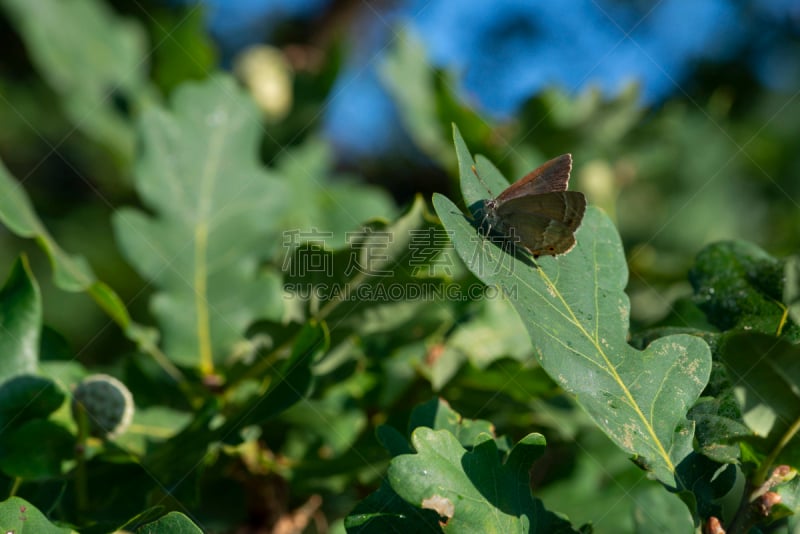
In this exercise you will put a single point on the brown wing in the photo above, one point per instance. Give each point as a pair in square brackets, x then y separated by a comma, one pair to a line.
[551, 238]
[566, 207]
[551, 177]
[544, 224]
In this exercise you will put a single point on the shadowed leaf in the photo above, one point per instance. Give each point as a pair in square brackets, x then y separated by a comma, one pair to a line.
[20, 323]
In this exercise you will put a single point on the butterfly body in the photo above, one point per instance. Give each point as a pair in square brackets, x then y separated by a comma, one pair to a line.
[537, 212]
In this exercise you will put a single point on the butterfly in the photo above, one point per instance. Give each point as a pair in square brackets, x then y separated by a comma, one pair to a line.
[538, 212]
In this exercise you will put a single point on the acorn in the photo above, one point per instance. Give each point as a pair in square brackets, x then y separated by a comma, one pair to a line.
[108, 405]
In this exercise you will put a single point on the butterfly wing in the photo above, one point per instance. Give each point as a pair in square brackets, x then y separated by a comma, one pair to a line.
[566, 207]
[550, 177]
[544, 224]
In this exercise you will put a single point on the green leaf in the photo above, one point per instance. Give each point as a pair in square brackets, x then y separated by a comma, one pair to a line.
[790, 497]
[409, 78]
[457, 473]
[287, 384]
[70, 273]
[21, 517]
[477, 483]
[719, 429]
[740, 287]
[333, 420]
[717, 414]
[706, 482]
[791, 287]
[149, 425]
[438, 415]
[765, 372]
[494, 331]
[172, 523]
[356, 283]
[602, 487]
[385, 511]
[27, 397]
[186, 49]
[427, 102]
[332, 207]
[92, 59]
[36, 450]
[20, 322]
[215, 211]
[291, 382]
[473, 491]
[660, 511]
[576, 312]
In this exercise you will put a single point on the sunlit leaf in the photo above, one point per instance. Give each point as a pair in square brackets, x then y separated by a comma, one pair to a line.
[576, 313]
[455, 471]
[21, 517]
[438, 415]
[473, 491]
[214, 214]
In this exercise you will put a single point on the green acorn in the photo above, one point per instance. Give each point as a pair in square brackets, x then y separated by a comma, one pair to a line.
[108, 405]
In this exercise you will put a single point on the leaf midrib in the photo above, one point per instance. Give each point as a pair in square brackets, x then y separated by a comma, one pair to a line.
[201, 232]
[609, 367]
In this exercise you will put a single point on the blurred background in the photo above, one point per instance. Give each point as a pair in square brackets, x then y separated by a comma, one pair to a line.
[682, 116]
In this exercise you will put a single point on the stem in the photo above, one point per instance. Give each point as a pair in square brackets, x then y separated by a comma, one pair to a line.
[152, 350]
[81, 475]
[15, 486]
[109, 302]
[784, 317]
[761, 475]
[201, 300]
[742, 516]
[260, 367]
[170, 368]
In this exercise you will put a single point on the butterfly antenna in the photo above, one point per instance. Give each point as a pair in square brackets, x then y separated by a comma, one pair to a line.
[478, 176]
